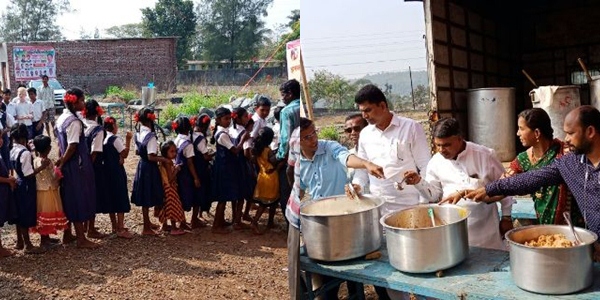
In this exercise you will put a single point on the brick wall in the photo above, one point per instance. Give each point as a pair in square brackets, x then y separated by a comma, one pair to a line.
[97, 64]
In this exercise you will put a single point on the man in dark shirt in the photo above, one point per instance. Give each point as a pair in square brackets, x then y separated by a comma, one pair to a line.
[579, 169]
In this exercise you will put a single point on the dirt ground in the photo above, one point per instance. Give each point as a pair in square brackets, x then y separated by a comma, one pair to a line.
[197, 265]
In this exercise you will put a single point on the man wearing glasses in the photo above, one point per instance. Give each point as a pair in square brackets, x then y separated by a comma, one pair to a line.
[323, 166]
[352, 128]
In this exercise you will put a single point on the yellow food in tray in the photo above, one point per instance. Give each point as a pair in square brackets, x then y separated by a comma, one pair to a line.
[550, 241]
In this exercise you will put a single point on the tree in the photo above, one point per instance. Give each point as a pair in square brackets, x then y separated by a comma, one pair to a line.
[172, 18]
[231, 29]
[292, 34]
[32, 20]
[335, 89]
[133, 30]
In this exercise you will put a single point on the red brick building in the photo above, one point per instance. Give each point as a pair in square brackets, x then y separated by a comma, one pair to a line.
[96, 64]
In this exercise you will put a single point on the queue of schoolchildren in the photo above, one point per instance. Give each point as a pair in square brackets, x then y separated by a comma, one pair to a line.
[44, 195]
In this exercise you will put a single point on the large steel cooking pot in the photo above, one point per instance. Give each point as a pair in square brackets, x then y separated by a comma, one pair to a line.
[338, 228]
[415, 246]
[551, 270]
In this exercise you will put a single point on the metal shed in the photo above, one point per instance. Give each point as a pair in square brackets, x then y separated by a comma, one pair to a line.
[478, 44]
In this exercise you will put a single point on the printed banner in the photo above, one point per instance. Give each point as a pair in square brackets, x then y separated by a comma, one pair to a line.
[31, 62]
[294, 67]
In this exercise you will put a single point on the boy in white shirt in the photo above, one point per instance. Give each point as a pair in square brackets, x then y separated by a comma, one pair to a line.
[276, 128]
[39, 112]
[24, 110]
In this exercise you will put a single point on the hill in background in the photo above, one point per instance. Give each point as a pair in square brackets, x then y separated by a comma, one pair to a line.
[400, 81]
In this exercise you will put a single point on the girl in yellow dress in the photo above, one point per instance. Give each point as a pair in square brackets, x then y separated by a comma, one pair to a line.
[50, 215]
[266, 192]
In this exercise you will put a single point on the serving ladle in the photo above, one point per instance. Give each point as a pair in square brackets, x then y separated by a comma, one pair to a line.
[567, 217]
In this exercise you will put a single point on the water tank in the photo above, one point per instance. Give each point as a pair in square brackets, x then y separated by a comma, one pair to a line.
[492, 119]
[557, 101]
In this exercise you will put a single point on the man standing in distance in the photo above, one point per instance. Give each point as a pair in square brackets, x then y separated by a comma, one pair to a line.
[46, 95]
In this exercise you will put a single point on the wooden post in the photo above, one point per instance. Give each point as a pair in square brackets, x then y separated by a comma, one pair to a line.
[412, 91]
[309, 104]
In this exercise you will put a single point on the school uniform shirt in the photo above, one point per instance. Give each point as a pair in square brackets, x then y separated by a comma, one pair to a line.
[46, 95]
[401, 147]
[25, 159]
[152, 146]
[325, 174]
[474, 167]
[202, 146]
[188, 151]
[292, 210]
[234, 133]
[118, 143]
[10, 120]
[97, 141]
[225, 139]
[24, 109]
[275, 144]
[73, 131]
[38, 109]
[11, 110]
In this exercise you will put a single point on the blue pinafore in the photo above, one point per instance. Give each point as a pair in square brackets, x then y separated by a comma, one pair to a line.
[117, 195]
[185, 182]
[147, 185]
[77, 187]
[203, 197]
[226, 173]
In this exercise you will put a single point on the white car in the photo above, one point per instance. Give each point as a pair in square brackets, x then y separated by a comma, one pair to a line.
[59, 92]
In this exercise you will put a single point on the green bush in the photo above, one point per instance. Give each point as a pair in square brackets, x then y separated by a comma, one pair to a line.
[191, 105]
[121, 93]
[329, 133]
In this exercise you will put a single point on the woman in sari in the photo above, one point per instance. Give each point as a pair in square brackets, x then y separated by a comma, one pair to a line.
[535, 131]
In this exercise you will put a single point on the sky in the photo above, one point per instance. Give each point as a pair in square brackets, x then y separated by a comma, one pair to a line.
[89, 15]
[354, 38]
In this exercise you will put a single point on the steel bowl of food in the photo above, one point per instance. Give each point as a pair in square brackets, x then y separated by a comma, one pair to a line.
[426, 238]
[339, 228]
[546, 259]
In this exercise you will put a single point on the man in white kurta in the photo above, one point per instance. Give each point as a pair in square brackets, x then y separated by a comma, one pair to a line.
[460, 165]
[397, 144]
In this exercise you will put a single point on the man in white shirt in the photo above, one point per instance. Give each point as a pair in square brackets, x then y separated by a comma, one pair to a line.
[46, 95]
[39, 112]
[460, 165]
[397, 144]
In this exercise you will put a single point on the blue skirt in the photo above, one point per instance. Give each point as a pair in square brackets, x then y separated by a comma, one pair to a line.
[225, 185]
[147, 185]
[26, 196]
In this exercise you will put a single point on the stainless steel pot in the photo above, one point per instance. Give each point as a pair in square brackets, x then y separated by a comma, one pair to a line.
[338, 228]
[416, 247]
[551, 270]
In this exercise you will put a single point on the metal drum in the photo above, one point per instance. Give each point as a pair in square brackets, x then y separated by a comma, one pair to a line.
[557, 101]
[595, 91]
[148, 95]
[492, 120]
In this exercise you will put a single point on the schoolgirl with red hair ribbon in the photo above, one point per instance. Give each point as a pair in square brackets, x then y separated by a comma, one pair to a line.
[147, 185]
[78, 186]
[188, 181]
[116, 195]
[94, 137]
[202, 158]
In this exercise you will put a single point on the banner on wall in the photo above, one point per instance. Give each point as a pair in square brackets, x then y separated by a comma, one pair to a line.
[31, 62]
[295, 67]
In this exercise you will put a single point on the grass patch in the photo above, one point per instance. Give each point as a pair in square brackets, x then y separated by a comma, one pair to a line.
[329, 133]
[192, 102]
[124, 94]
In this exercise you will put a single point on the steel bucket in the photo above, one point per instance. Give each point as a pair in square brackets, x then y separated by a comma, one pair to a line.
[331, 234]
[557, 104]
[426, 249]
[551, 270]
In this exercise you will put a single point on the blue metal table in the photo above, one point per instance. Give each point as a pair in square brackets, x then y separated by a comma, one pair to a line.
[485, 274]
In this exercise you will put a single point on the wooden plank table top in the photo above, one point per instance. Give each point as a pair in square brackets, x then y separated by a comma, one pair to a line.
[485, 274]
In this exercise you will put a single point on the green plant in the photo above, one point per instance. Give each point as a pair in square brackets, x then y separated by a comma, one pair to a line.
[121, 93]
[329, 133]
[192, 102]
